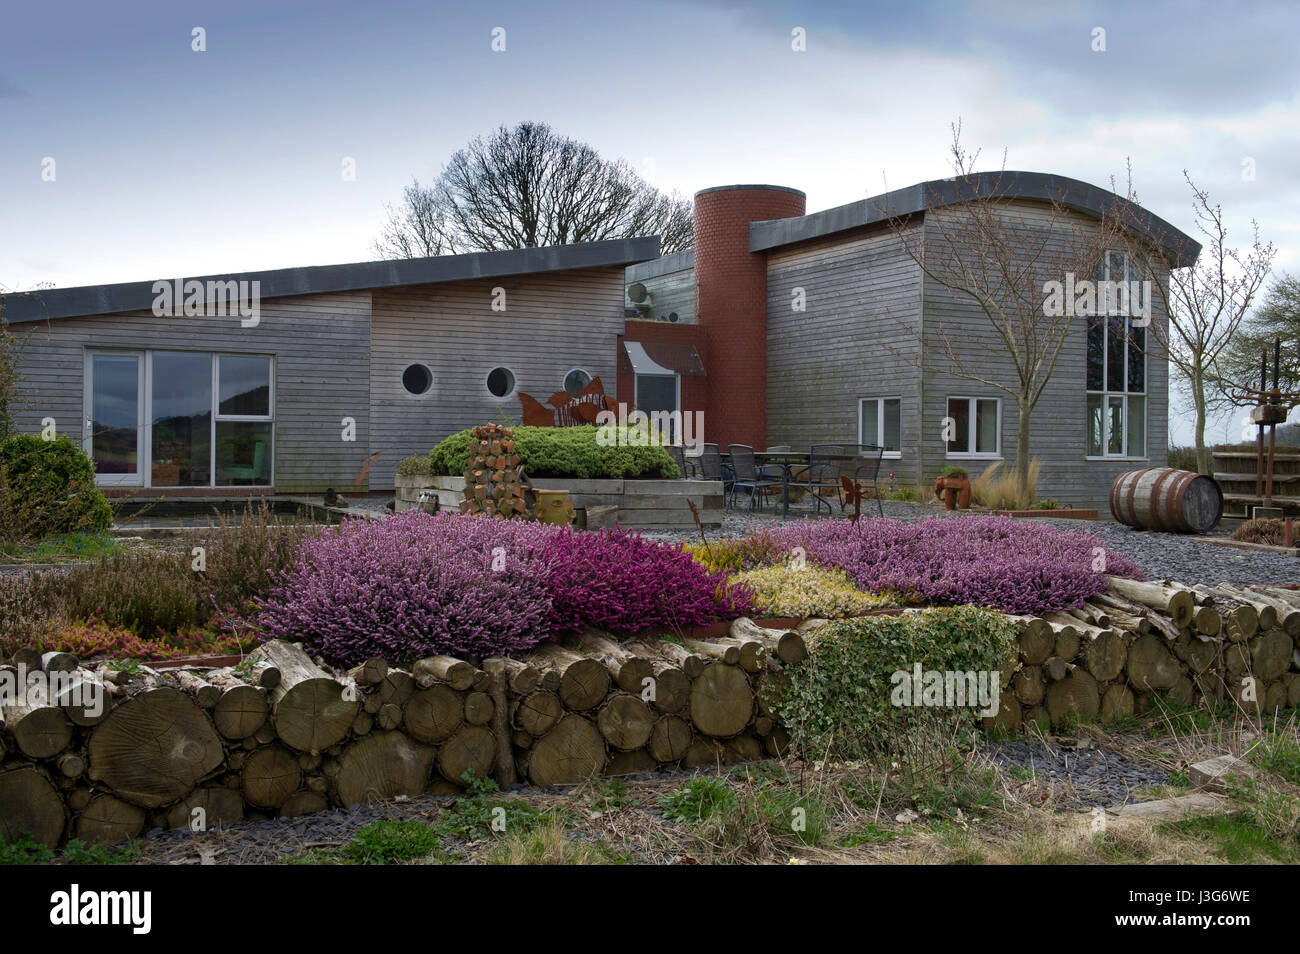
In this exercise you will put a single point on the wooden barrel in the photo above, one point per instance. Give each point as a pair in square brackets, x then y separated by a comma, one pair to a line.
[1161, 498]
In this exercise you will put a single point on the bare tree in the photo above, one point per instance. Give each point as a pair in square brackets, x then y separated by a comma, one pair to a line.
[1276, 317]
[527, 187]
[1207, 304]
[998, 256]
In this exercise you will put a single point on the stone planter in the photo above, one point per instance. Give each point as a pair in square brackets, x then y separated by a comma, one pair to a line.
[408, 490]
[642, 504]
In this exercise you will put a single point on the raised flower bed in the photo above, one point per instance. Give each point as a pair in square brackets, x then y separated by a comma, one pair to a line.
[642, 504]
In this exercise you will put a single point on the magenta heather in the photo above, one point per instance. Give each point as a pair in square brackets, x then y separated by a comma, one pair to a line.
[618, 581]
[416, 585]
[996, 562]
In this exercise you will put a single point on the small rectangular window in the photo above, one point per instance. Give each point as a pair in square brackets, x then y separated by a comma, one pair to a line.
[880, 424]
[976, 427]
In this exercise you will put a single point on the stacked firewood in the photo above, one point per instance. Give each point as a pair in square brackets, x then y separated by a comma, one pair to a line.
[1110, 657]
[283, 734]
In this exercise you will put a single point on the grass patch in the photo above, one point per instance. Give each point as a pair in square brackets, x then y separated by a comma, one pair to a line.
[24, 851]
[62, 547]
[1236, 839]
[549, 843]
[698, 800]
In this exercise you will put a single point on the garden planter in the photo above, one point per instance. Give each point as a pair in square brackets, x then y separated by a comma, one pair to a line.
[953, 491]
[553, 507]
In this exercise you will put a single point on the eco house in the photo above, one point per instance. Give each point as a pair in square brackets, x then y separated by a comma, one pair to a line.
[295, 380]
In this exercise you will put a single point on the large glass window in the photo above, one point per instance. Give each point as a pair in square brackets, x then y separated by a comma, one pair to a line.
[976, 427]
[209, 418]
[181, 415]
[1116, 372]
[880, 423]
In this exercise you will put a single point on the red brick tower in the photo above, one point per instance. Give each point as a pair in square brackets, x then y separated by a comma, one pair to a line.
[731, 300]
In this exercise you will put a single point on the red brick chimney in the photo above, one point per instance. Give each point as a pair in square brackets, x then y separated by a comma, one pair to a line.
[731, 300]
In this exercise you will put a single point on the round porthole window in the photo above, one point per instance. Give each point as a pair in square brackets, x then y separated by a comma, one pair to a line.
[500, 382]
[575, 381]
[417, 379]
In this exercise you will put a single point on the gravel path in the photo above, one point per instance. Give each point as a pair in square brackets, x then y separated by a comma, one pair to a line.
[1084, 777]
[1161, 556]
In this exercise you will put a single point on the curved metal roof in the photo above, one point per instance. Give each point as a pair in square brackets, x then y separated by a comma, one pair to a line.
[1181, 249]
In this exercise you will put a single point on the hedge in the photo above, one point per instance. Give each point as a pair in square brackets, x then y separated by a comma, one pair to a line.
[563, 452]
[48, 487]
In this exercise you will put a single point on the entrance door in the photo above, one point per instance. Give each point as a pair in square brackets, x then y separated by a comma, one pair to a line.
[114, 424]
[661, 393]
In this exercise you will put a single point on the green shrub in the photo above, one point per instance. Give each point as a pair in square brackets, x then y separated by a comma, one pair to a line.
[839, 701]
[413, 467]
[905, 495]
[48, 487]
[953, 471]
[563, 452]
[1046, 503]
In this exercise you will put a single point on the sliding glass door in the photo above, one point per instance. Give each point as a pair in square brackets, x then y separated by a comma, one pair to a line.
[180, 418]
[114, 433]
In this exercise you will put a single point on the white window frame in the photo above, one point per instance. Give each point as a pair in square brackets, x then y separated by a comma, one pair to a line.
[880, 423]
[514, 385]
[1130, 274]
[972, 431]
[143, 421]
[144, 453]
[255, 418]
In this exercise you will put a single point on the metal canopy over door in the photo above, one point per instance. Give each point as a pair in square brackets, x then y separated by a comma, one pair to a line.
[113, 436]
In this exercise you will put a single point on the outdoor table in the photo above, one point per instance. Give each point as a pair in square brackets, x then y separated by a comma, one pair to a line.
[787, 460]
[783, 459]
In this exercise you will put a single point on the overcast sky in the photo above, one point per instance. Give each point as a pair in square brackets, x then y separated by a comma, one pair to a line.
[170, 162]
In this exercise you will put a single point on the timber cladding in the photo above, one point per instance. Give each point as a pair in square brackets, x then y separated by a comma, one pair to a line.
[550, 325]
[320, 345]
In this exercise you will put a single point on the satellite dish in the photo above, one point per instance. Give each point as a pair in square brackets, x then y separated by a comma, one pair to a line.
[637, 293]
[672, 316]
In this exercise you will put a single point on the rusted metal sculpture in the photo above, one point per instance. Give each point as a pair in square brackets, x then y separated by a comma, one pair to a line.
[1272, 406]
[566, 410]
[854, 493]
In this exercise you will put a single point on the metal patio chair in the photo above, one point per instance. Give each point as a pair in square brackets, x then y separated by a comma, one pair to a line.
[757, 481]
[710, 468]
[828, 462]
